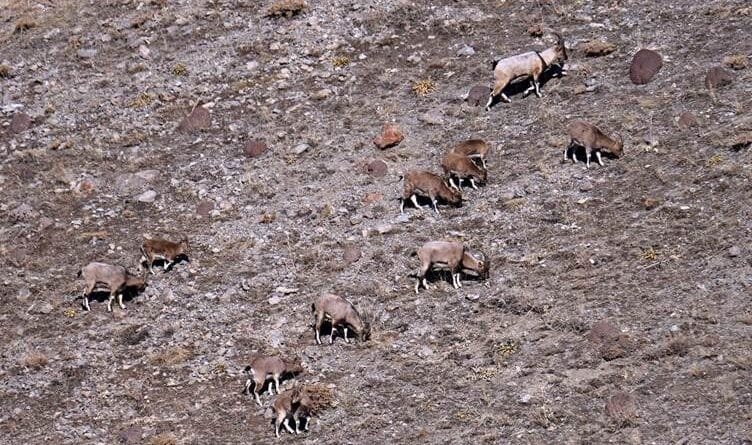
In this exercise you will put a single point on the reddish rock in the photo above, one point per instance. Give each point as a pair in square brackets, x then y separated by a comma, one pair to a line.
[687, 120]
[621, 407]
[255, 148]
[20, 122]
[351, 253]
[198, 119]
[609, 340]
[718, 77]
[645, 65]
[376, 168]
[391, 135]
[478, 95]
[205, 207]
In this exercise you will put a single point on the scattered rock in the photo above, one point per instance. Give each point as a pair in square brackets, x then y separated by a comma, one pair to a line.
[391, 135]
[131, 436]
[734, 251]
[384, 229]
[645, 65]
[650, 203]
[23, 294]
[597, 48]
[198, 119]
[478, 95]
[351, 253]
[255, 148]
[22, 212]
[275, 299]
[44, 308]
[622, 408]
[650, 138]
[147, 196]
[472, 297]
[300, 148]
[86, 53]
[718, 77]
[322, 94]
[466, 50]
[205, 207]
[376, 168]
[20, 122]
[687, 120]
[432, 117]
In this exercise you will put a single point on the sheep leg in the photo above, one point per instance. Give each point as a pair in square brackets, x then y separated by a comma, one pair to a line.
[483, 162]
[276, 383]
[588, 153]
[256, 396]
[417, 285]
[151, 267]
[598, 156]
[319, 322]
[414, 199]
[109, 302]
[278, 421]
[566, 150]
[247, 389]
[425, 283]
[305, 424]
[86, 299]
[296, 419]
[452, 184]
[435, 206]
[286, 423]
[472, 184]
[347, 340]
[331, 334]
[537, 87]
[165, 265]
[530, 88]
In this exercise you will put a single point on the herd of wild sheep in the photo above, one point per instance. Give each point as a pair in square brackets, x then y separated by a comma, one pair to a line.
[464, 163]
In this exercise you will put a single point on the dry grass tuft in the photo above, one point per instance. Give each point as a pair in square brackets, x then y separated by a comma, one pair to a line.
[34, 360]
[340, 61]
[179, 70]
[5, 71]
[424, 87]
[163, 439]
[649, 254]
[736, 61]
[621, 407]
[321, 396]
[70, 313]
[286, 8]
[143, 100]
[25, 23]
[715, 160]
[171, 356]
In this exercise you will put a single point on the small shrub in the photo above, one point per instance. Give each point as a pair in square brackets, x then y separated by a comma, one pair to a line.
[5, 72]
[424, 87]
[34, 360]
[649, 254]
[340, 61]
[25, 23]
[143, 100]
[179, 70]
[736, 61]
[163, 439]
[171, 356]
[286, 8]
[70, 313]
[715, 160]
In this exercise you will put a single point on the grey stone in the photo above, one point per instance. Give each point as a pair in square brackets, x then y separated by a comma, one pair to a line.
[147, 196]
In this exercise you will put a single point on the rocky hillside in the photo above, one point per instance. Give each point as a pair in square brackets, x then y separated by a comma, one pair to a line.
[617, 309]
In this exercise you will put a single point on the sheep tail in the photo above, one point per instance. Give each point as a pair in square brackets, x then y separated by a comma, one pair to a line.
[80, 272]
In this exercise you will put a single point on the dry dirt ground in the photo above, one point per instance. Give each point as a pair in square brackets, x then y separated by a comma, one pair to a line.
[617, 310]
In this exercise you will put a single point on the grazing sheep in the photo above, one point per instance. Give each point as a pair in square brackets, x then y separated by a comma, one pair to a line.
[452, 256]
[341, 313]
[592, 139]
[295, 403]
[424, 183]
[262, 368]
[160, 249]
[474, 149]
[460, 166]
[116, 279]
[531, 64]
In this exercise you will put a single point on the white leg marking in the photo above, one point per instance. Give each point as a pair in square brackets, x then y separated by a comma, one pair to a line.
[488, 105]
[506, 99]
[414, 199]
[598, 156]
[109, 303]
[120, 301]
[472, 184]
[347, 340]
[287, 425]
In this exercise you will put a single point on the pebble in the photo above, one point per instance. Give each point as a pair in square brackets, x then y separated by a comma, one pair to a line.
[466, 50]
[147, 196]
[734, 251]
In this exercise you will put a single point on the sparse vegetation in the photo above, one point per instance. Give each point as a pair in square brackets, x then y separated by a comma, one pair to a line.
[143, 100]
[163, 439]
[286, 8]
[715, 160]
[5, 71]
[179, 69]
[25, 23]
[340, 61]
[171, 356]
[424, 87]
[649, 254]
[34, 360]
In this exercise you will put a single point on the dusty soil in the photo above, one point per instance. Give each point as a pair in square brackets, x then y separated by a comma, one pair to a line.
[617, 310]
